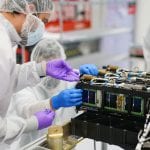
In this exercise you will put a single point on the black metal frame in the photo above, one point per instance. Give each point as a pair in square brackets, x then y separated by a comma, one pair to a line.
[111, 126]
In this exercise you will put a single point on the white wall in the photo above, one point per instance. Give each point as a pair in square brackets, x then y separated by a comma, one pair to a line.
[142, 20]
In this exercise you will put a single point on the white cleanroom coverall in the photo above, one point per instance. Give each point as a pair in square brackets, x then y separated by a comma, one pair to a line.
[13, 78]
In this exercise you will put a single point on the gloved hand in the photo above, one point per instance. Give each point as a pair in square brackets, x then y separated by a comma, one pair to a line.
[67, 98]
[45, 118]
[89, 69]
[59, 69]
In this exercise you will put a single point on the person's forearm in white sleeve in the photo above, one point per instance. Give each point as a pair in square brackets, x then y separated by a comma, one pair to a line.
[26, 103]
[28, 74]
[30, 109]
[13, 126]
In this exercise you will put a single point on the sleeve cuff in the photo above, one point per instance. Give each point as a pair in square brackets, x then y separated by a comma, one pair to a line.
[41, 68]
[32, 124]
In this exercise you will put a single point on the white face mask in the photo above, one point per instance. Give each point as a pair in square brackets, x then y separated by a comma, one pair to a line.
[32, 30]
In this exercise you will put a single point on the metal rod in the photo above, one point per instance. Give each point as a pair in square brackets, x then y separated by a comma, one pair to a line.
[104, 146]
[94, 145]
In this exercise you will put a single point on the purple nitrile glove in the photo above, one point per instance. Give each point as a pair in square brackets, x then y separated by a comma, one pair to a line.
[45, 118]
[59, 69]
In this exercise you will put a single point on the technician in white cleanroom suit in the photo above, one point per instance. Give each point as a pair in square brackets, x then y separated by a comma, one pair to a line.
[32, 99]
[19, 26]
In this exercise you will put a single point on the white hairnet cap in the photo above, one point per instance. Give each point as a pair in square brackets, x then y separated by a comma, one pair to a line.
[26, 6]
[47, 49]
[20, 6]
[42, 6]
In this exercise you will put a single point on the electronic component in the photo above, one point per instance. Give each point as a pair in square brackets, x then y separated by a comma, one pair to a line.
[92, 98]
[138, 106]
[115, 91]
[87, 78]
[115, 102]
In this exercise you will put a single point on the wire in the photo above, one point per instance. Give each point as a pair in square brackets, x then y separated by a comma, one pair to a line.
[142, 136]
